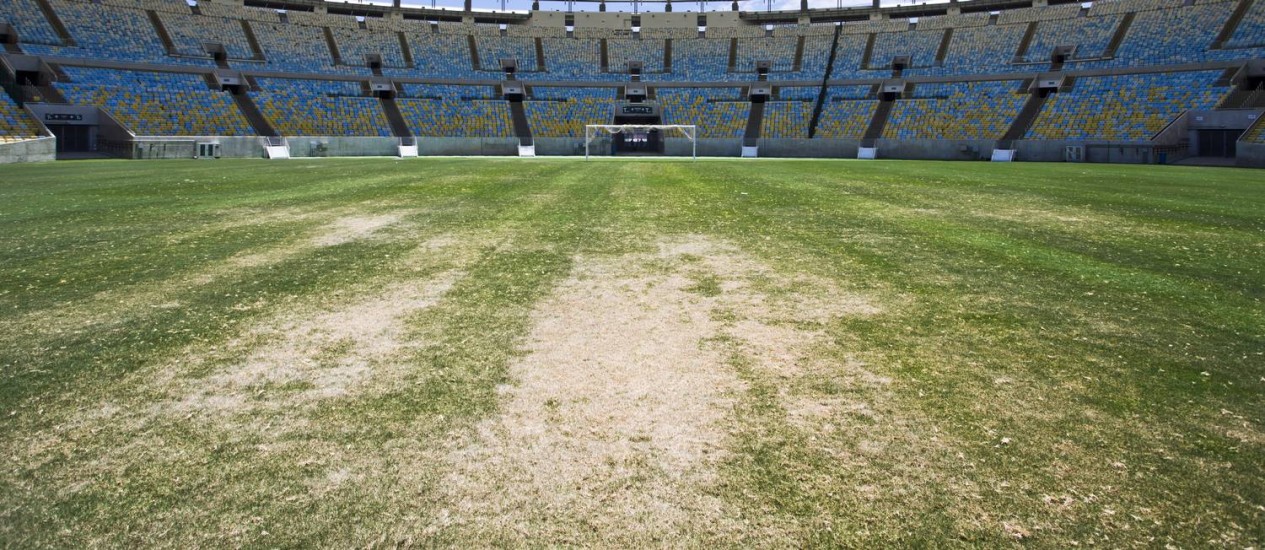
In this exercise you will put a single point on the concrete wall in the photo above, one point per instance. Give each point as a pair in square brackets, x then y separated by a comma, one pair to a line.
[435, 146]
[1251, 155]
[936, 149]
[809, 148]
[34, 150]
[186, 148]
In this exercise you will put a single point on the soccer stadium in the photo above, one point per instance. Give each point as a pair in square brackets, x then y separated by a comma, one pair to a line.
[587, 273]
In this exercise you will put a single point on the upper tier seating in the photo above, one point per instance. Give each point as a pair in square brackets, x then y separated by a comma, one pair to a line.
[1251, 30]
[298, 48]
[230, 11]
[1090, 35]
[113, 33]
[1124, 108]
[972, 110]
[1046, 13]
[157, 104]
[982, 50]
[15, 124]
[718, 112]
[168, 6]
[313, 19]
[355, 44]
[26, 16]
[492, 49]
[961, 21]
[188, 32]
[571, 59]
[1170, 36]
[320, 108]
[649, 51]
[921, 45]
[701, 59]
[439, 55]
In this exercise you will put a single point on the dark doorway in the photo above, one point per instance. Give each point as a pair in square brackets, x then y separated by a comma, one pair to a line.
[1218, 143]
[72, 139]
[639, 142]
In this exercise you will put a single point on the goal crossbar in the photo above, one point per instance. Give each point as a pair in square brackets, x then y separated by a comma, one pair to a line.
[592, 131]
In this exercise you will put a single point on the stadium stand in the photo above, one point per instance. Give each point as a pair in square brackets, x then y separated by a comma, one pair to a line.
[355, 44]
[968, 110]
[1251, 30]
[230, 11]
[846, 113]
[320, 108]
[920, 45]
[571, 59]
[438, 56]
[299, 49]
[567, 118]
[457, 118]
[1126, 107]
[15, 124]
[188, 32]
[1090, 35]
[994, 51]
[701, 59]
[492, 49]
[30, 22]
[718, 112]
[976, 50]
[1170, 36]
[649, 51]
[157, 104]
[787, 119]
[110, 33]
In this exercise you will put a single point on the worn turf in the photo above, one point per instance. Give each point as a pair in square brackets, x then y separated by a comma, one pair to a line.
[470, 352]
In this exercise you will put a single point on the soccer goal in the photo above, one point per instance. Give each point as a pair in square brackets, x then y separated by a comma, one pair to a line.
[593, 131]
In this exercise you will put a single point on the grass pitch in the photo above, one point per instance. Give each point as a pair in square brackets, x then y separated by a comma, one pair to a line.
[472, 351]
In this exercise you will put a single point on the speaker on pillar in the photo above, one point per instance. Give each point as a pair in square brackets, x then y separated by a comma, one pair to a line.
[535, 6]
[803, 5]
[667, 7]
[734, 6]
[601, 7]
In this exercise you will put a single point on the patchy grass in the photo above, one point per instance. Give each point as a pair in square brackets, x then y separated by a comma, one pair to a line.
[478, 351]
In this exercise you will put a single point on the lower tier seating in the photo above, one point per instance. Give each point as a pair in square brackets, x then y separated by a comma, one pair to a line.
[15, 124]
[157, 104]
[1126, 107]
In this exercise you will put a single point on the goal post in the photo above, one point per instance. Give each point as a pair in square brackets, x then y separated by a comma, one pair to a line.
[593, 131]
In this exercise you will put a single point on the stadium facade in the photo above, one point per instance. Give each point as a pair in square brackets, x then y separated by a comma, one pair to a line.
[1139, 81]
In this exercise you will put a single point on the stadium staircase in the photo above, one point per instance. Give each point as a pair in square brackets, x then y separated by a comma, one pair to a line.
[1025, 42]
[251, 111]
[825, 87]
[667, 55]
[869, 49]
[522, 129]
[540, 55]
[733, 54]
[253, 41]
[1023, 121]
[1122, 30]
[405, 49]
[333, 46]
[798, 64]
[1232, 23]
[474, 52]
[878, 122]
[161, 29]
[755, 121]
[399, 128]
[943, 51]
[604, 63]
[55, 21]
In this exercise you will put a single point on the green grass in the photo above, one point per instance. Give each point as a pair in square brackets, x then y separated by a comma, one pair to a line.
[1071, 354]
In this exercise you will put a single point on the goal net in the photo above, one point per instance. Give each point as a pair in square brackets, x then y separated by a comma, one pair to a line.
[594, 131]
